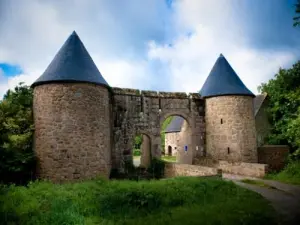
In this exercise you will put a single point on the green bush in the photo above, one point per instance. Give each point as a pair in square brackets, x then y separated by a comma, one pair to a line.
[157, 168]
[290, 174]
[17, 160]
[172, 201]
[137, 152]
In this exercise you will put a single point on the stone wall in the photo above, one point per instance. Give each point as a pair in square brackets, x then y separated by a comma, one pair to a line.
[72, 131]
[176, 169]
[143, 112]
[245, 169]
[273, 155]
[171, 140]
[230, 127]
[262, 124]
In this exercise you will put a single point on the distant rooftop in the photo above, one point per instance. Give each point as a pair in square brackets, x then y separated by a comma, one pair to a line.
[258, 101]
[223, 80]
[175, 125]
[72, 63]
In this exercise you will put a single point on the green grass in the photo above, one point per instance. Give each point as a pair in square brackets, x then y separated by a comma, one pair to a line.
[173, 201]
[168, 158]
[290, 174]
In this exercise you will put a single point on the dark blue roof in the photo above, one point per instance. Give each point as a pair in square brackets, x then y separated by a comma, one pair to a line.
[72, 63]
[223, 80]
[175, 125]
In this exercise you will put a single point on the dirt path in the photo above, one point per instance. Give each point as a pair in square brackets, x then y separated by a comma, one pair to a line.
[285, 198]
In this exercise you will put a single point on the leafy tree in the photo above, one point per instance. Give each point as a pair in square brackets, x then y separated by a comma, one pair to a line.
[17, 161]
[297, 17]
[284, 107]
[138, 141]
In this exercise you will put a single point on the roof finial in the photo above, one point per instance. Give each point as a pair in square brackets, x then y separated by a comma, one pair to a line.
[221, 55]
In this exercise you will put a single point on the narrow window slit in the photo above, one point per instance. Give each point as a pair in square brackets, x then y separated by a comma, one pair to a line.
[228, 150]
[221, 121]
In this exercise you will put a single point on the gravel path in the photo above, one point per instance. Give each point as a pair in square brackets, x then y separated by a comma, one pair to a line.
[285, 198]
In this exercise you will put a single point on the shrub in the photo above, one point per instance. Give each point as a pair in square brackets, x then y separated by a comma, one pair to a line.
[137, 152]
[17, 160]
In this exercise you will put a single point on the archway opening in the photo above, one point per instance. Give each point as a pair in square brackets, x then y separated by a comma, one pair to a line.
[176, 140]
[142, 151]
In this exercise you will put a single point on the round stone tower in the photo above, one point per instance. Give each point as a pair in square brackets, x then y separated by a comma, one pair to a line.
[72, 116]
[229, 115]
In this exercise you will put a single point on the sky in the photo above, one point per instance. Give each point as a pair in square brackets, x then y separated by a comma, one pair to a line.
[161, 45]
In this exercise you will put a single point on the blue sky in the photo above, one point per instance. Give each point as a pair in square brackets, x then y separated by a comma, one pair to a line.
[168, 45]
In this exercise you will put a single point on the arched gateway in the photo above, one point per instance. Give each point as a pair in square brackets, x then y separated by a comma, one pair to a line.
[84, 128]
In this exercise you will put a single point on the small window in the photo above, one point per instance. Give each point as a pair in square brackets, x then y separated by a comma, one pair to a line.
[221, 121]
[228, 150]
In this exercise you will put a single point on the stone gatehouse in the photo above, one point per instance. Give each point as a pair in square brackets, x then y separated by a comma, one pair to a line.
[84, 127]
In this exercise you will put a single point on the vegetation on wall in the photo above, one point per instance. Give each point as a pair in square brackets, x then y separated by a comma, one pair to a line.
[284, 108]
[17, 161]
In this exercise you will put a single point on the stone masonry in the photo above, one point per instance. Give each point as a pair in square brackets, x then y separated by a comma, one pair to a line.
[230, 129]
[171, 143]
[84, 127]
[71, 140]
[143, 112]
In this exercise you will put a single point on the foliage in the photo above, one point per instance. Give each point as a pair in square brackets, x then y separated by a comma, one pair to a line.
[138, 141]
[297, 17]
[137, 152]
[162, 133]
[290, 174]
[284, 107]
[17, 161]
[168, 158]
[157, 168]
[174, 201]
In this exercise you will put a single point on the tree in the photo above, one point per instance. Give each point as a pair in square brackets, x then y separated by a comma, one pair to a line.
[17, 161]
[297, 17]
[284, 107]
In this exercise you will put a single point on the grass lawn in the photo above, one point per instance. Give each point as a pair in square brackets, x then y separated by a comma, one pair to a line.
[290, 174]
[168, 158]
[176, 201]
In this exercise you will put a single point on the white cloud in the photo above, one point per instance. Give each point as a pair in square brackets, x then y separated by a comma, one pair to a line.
[109, 33]
[215, 30]
[116, 34]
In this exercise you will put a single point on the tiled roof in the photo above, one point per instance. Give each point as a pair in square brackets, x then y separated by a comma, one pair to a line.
[175, 125]
[223, 80]
[72, 63]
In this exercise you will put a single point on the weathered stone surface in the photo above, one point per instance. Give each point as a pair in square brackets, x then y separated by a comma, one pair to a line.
[144, 114]
[273, 155]
[176, 169]
[171, 143]
[230, 129]
[81, 131]
[72, 131]
[241, 168]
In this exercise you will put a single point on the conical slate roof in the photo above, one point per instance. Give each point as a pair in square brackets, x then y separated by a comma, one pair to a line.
[223, 80]
[175, 125]
[72, 63]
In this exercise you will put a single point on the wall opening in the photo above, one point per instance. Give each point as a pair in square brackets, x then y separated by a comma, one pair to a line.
[169, 150]
[141, 153]
[175, 139]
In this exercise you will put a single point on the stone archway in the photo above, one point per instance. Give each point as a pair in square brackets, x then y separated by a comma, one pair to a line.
[185, 138]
